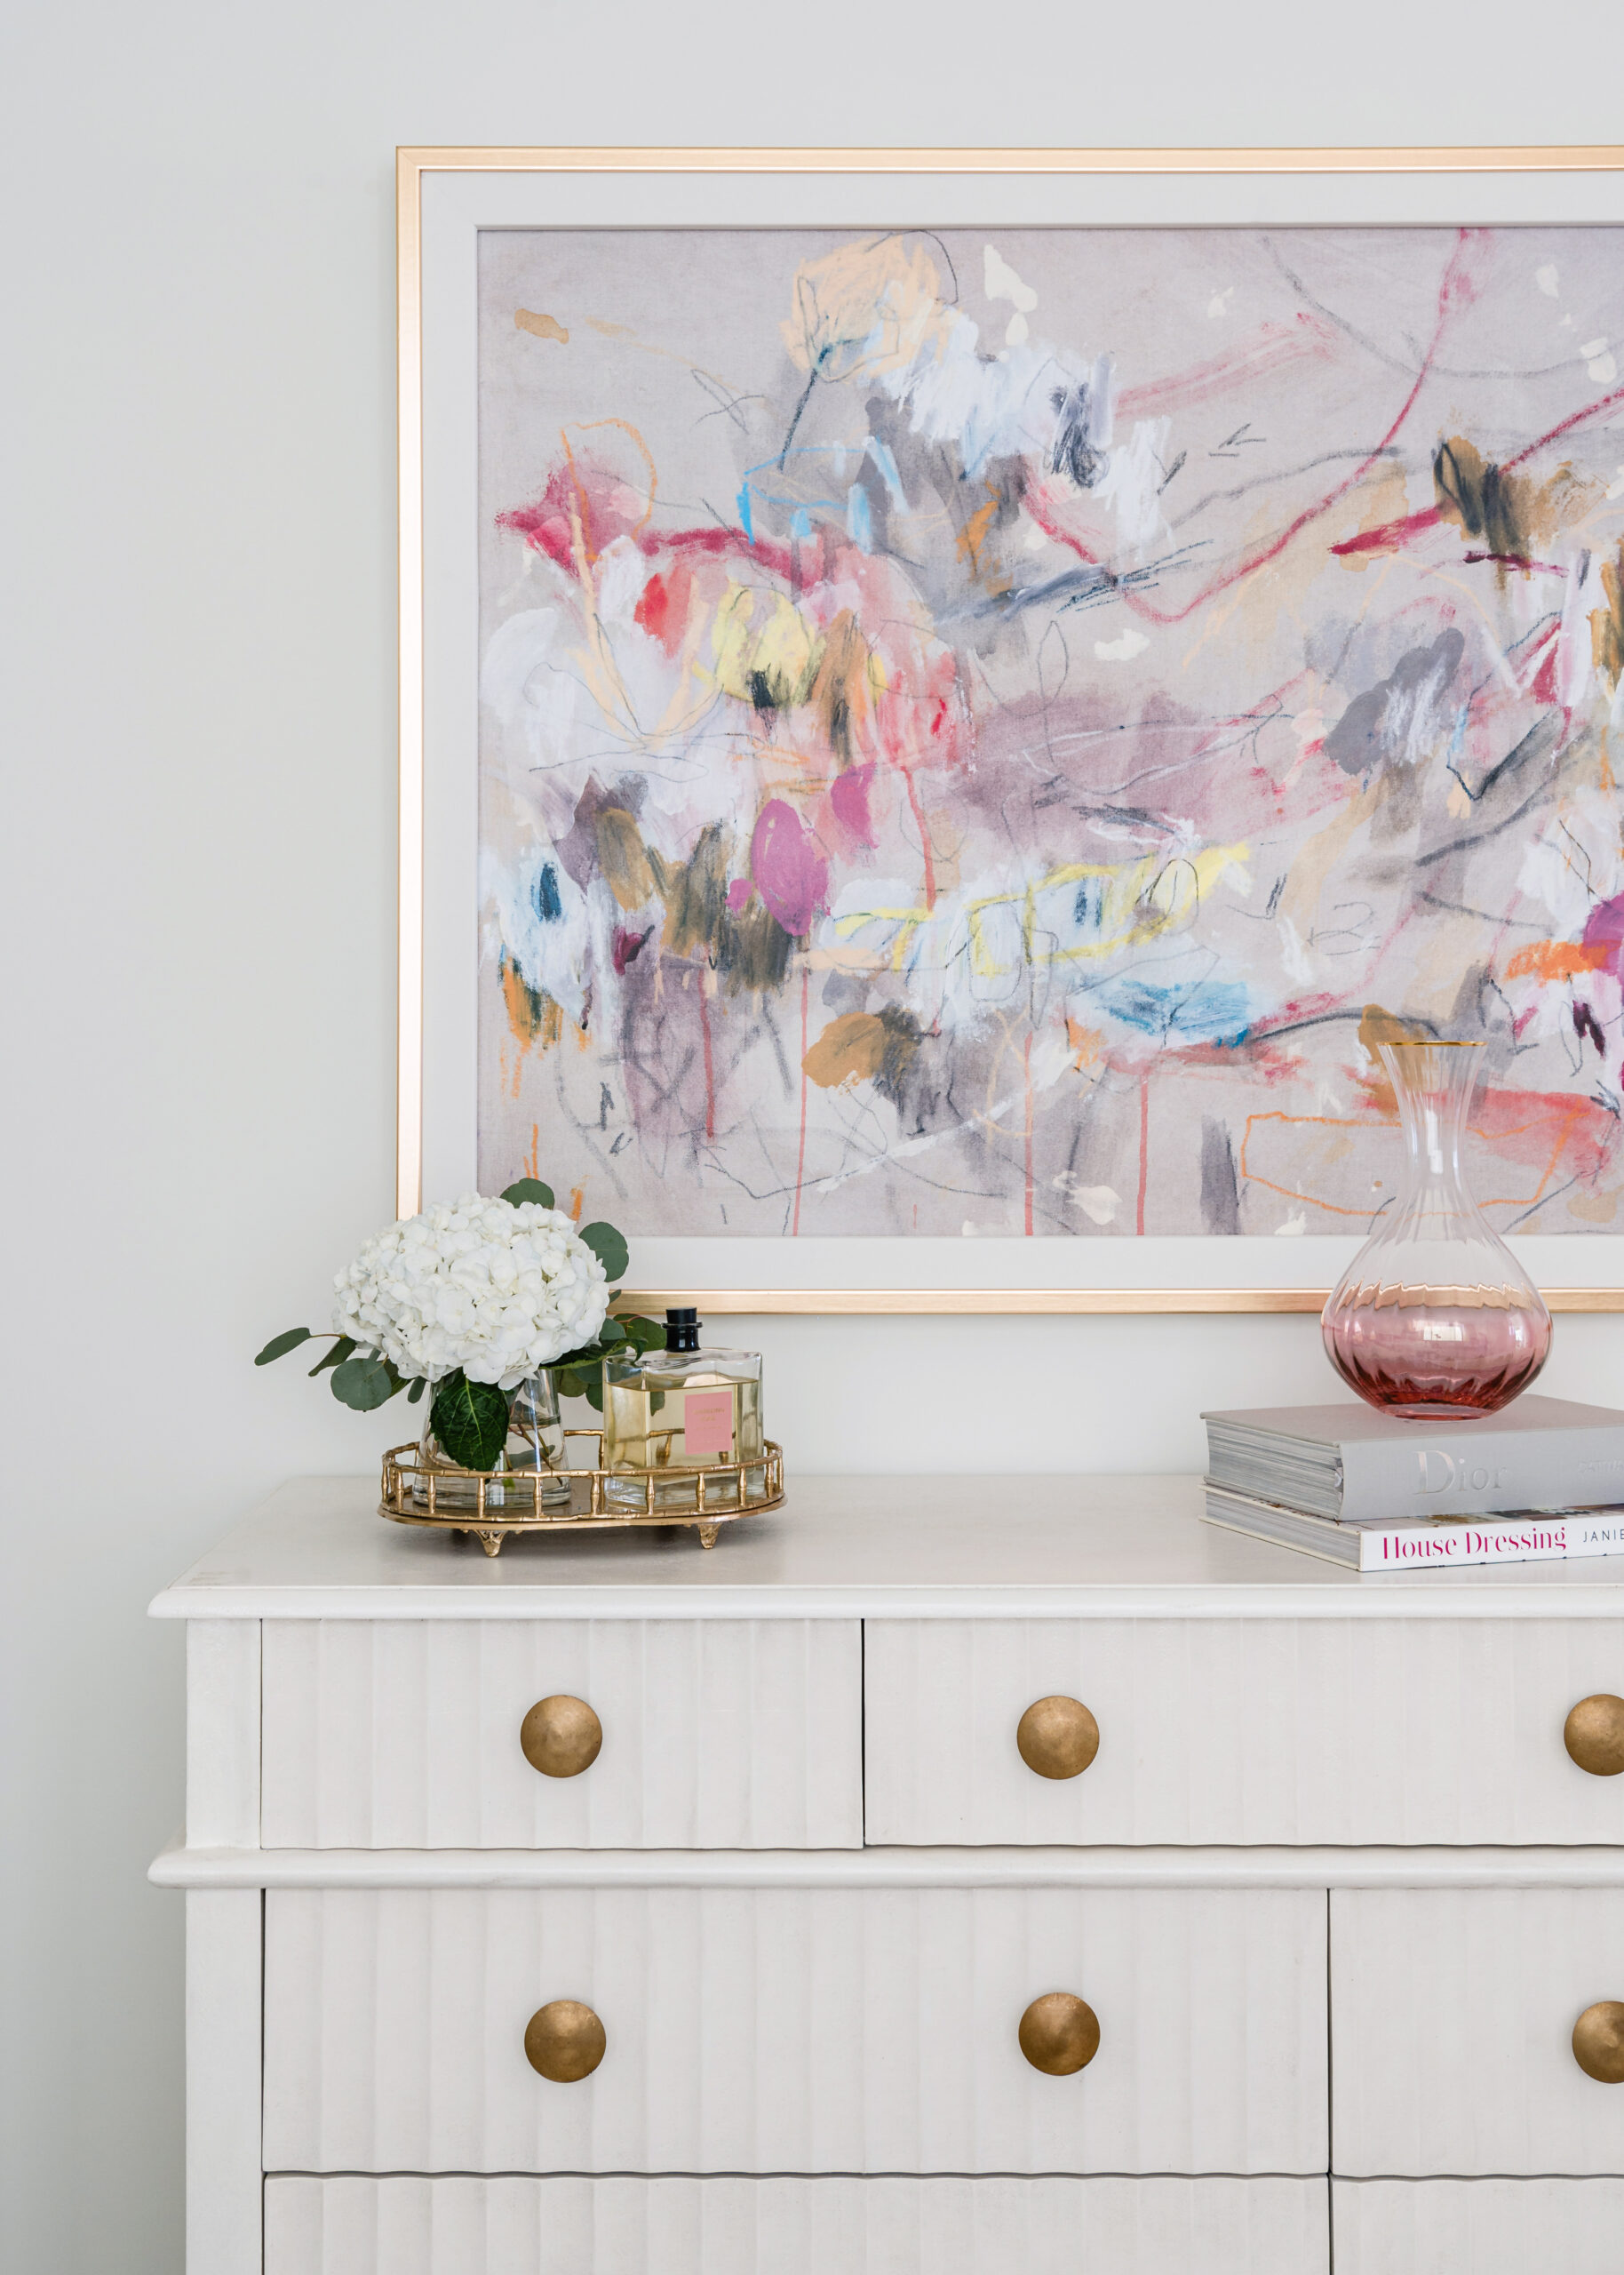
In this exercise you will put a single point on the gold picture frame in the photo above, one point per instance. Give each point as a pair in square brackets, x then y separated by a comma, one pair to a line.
[418, 167]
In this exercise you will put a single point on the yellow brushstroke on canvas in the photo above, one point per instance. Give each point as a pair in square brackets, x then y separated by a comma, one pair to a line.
[1139, 900]
[1299, 904]
[907, 921]
[540, 327]
[532, 1017]
[864, 309]
[850, 1050]
[1607, 624]
[778, 658]
[784, 653]
[1386, 491]
[623, 859]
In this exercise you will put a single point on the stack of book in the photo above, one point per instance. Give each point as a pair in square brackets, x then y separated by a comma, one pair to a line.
[1544, 1478]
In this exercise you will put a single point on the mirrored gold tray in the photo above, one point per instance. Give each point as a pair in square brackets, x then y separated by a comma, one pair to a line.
[492, 1504]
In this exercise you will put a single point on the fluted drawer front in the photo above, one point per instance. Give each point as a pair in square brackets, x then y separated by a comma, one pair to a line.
[1478, 2227]
[794, 2030]
[1358, 1731]
[1452, 2016]
[837, 2225]
[407, 1734]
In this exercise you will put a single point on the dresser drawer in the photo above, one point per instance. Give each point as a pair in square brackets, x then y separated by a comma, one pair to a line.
[408, 1734]
[794, 2030]
[1478, 2227]
[1333, 1731]
[622, 2225]
[1453, 2014]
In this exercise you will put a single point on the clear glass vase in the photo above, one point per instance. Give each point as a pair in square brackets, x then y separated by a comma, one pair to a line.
[1435, 1318]
[533, 1450]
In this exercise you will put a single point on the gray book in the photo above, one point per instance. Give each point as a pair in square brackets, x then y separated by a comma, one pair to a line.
[1349, 1462]
[1530, 1537]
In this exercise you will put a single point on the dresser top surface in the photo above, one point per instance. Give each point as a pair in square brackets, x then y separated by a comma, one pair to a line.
[843, 1547]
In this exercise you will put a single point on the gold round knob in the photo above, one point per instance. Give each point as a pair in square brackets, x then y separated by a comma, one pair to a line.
[1060, 2034]
[560, 1737]
[564, 2040]
[1594, 1734]
[1599, 2042]
[1058, 1737]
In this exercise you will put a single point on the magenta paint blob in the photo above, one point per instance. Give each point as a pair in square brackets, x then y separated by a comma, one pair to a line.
[848, 799]
[787, 863]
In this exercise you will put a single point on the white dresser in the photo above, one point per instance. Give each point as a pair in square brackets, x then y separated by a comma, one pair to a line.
[614, 1907]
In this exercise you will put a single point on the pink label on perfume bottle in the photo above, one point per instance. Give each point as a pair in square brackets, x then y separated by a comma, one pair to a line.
[707, 1425]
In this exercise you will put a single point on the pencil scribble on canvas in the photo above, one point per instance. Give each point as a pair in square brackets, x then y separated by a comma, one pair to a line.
[979, 732]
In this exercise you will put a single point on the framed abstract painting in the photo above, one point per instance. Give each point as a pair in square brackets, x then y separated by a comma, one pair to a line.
[950, 699]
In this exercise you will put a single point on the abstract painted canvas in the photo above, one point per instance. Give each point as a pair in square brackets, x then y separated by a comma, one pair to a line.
[983, 731]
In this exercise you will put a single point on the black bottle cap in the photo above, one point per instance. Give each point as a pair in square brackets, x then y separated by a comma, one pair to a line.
[682, 1327]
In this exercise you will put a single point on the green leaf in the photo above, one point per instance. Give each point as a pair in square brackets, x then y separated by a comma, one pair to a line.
[342, 1346]
[595, 1393]
[608, 1247]
[574, 1370]
[416, 1392]
[280, 1346]
[363, 1382]
[470, 1420]
[529, 1188]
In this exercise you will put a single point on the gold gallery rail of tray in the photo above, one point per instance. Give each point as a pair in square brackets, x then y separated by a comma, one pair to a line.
[416, 1492]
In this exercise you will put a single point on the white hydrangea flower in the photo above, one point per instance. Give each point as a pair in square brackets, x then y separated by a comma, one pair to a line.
[497, 1291]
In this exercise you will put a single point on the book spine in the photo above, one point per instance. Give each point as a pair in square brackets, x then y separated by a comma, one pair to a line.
[1526, 1540]
[1459, 1471]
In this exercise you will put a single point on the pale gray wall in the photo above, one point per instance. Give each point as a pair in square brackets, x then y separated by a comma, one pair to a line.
[196, 350]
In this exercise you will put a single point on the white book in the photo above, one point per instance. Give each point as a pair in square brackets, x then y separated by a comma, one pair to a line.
[1351, 1462]
[1370, 1544]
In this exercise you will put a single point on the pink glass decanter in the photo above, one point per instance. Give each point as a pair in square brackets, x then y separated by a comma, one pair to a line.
[1435, 1318]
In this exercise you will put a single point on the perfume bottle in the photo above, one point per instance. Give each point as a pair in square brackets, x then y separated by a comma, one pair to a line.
[679, 1411]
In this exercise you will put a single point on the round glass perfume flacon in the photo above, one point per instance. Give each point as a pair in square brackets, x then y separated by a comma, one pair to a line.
[1435, 1318]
